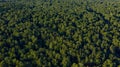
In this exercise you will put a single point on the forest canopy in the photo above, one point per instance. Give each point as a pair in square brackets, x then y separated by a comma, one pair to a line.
[60, 33]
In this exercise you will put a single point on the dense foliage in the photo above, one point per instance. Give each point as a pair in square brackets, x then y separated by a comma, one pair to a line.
[60, 33]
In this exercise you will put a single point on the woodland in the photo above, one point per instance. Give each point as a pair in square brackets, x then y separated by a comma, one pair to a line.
[60, 33]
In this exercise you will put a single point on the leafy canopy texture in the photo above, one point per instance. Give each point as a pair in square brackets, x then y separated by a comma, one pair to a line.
[60, 33]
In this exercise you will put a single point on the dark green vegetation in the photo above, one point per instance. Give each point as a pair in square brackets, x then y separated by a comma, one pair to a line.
[60, 33]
